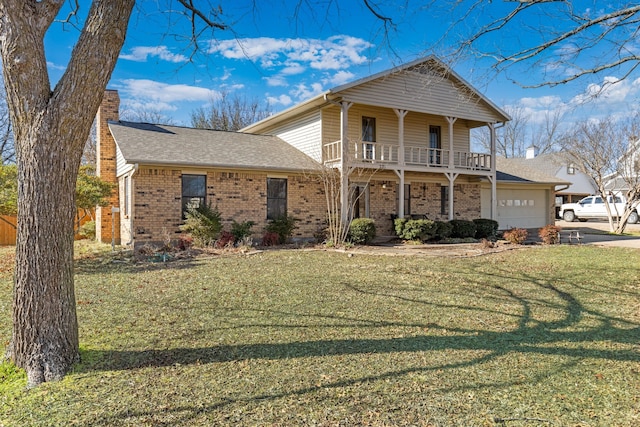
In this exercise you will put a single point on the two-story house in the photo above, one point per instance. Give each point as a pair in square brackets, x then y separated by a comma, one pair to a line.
[399, 142]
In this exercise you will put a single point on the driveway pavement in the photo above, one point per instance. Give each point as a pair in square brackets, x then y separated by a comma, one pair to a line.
[596, 233]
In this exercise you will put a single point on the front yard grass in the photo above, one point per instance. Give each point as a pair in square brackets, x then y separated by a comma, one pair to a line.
[538, 336]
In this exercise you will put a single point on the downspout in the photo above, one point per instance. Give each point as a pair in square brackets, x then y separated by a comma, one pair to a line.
[131, 202]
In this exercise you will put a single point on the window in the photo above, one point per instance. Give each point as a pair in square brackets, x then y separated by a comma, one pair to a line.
[571, 169]
[435, 145]
[276, 198]
[194, 191]
[444, 199]
[369, 135]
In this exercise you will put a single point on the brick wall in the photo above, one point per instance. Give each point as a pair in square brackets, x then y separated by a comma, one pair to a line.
[238, 196]
[106, 166]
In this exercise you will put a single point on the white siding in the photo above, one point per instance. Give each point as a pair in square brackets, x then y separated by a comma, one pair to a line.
[304, 133]
[423, 93]
[122, 166]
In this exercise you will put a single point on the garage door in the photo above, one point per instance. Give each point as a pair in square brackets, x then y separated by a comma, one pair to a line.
[517, 208]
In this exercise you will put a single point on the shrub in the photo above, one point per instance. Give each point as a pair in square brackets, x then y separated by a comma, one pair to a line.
[362, 231]
[270, 239]
[419, 229]
[241, 230]
[283, 227]
[462, 228]
[549, 234]
[443, 230]
[515, 235]
[398, 225]
[88, 230]
[486, 228]
[203, 224]
[226, 239]
[185, 242]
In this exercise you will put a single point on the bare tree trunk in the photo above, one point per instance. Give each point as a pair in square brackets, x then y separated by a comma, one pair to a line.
[45, 332]
[50, 130]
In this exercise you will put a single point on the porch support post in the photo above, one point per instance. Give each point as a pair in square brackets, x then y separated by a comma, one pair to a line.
[344, 167]
[451, 121]
[493, 178]
[401, 115]
[400, 173]
[451, 177]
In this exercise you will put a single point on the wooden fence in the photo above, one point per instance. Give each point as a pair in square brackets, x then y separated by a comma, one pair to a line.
[8, 233]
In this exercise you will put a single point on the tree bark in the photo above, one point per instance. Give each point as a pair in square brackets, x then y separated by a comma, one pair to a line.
[50, 129]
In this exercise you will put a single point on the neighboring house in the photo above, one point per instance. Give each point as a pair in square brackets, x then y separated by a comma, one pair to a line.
[400, 141]
[629, 163]
[574, 184]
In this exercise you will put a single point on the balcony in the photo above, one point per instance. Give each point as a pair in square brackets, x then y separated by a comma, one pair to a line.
[414, 155]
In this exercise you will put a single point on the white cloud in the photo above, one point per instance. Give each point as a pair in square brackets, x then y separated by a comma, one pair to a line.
[142, 53]
[53, 66]
[333, 53]
[276, 81]
[284, 100]
[610, 91]
[302, 91]
[340, 78]
[163, 92]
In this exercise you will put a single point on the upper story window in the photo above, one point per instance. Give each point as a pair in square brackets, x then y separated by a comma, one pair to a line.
[194, 191]
[368, 135]
[435, 145]
[571, 169]
[276, 198]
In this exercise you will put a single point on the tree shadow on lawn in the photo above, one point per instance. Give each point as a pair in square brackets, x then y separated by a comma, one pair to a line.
[524, 339]
[531, 336]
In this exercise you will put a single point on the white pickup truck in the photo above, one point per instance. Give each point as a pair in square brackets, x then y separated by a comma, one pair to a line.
[593, 207]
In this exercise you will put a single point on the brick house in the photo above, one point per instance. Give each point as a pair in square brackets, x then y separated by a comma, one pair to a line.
[398, 140]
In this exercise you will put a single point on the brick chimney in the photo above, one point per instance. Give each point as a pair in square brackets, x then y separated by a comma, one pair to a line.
[106, 221]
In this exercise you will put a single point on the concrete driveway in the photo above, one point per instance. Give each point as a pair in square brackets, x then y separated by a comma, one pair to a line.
[595, 232]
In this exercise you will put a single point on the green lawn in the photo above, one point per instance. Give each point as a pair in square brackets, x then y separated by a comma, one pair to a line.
[538, 336]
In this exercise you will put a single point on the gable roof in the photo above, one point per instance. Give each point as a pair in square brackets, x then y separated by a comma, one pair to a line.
[468, 94]
[513, 170]
[555, 164]
[145, 143]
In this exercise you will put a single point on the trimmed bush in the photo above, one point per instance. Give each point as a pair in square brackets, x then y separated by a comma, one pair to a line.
[225, 239]
[270, 239]
[549, 234]
[516, 235]
[283, 227]
[462, 228]
[419, 229]
[203, 224]
[398, 225]
[362, 231]
[241, 230]
[443, 230]
[486, 228]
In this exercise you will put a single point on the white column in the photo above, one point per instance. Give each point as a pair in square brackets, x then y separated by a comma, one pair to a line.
[452, 178]
[451, 121]
[401, 115]
[492, 178]
[344, 167]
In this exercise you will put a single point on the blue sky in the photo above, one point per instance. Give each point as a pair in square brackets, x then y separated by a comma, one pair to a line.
[281, 54]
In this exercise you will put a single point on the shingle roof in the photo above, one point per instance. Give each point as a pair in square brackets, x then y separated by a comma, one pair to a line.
[172, 145]
[514, 170]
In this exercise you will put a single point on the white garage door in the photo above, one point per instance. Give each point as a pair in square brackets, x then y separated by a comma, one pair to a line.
[517, 208]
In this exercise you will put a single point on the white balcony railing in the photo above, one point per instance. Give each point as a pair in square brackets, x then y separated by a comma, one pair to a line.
[414, 155]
